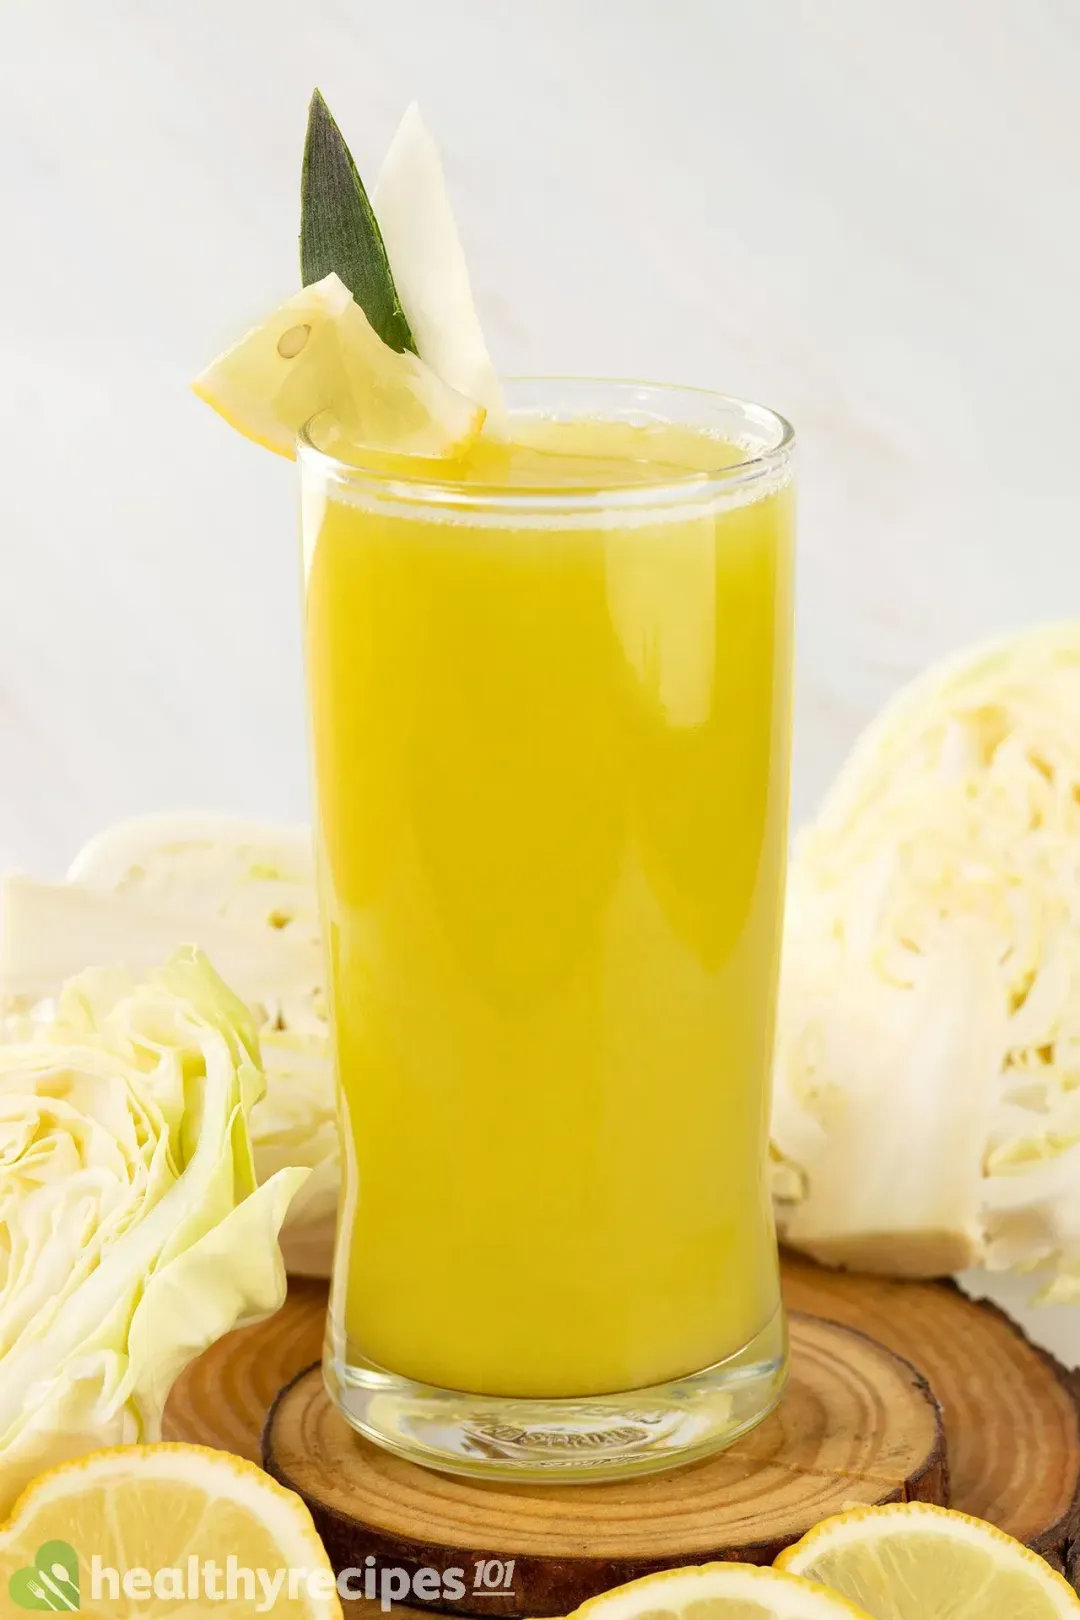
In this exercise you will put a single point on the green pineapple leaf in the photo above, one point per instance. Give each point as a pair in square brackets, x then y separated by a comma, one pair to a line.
[339, 231]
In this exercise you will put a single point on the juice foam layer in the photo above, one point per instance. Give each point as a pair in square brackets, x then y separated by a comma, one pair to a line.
[548, 461]
[594, 454]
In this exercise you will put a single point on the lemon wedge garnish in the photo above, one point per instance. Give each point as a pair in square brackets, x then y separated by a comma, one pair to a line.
[318, 352]
[160, 1516]
[912, 1561]
[718, 1592]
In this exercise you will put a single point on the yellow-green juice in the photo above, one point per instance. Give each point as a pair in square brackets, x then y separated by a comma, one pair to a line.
[551, 764]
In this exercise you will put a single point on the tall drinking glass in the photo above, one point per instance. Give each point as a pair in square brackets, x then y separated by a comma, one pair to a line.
[550, 717]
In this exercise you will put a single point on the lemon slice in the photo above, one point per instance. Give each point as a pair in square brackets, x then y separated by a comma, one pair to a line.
[135, 1532]
[719, 1592]
[318, 352]
[916, 1562]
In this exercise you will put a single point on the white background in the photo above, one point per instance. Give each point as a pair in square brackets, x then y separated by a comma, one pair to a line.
[865, 214]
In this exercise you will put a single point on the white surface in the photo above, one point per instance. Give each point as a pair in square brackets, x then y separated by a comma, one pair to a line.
[865, 215]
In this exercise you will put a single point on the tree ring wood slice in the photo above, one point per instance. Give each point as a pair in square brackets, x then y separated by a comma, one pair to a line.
[858, 1424]
[1012, 1418]
[1012, 1422]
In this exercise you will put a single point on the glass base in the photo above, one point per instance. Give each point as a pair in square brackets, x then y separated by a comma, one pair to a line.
[560, 1441]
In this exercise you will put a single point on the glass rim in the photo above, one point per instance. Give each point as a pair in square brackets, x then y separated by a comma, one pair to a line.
[738, 480]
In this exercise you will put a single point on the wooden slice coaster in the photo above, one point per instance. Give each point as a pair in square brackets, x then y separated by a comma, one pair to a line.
[1011, 1416]
[1012, 1420]
[857, 1424]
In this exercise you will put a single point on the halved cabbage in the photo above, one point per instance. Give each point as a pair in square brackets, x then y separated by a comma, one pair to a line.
[245, 892]
[132, 1232]
[927, 1097]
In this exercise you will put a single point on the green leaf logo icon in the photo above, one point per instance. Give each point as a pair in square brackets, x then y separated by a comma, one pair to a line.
[51, 1582]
